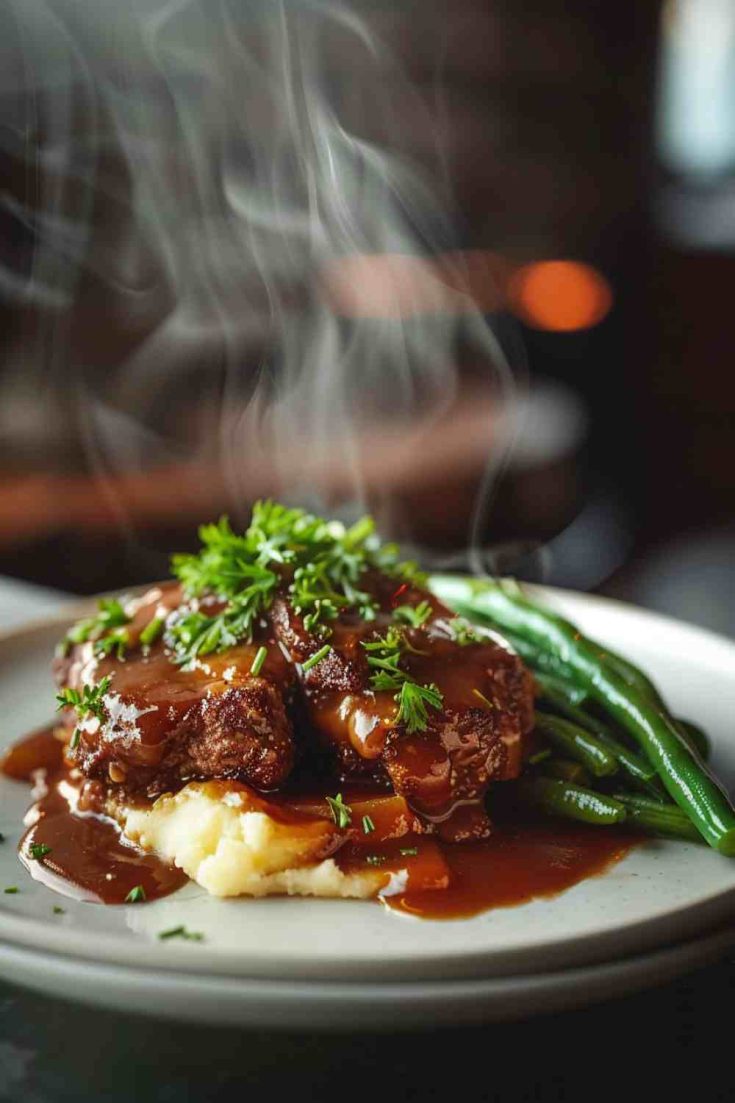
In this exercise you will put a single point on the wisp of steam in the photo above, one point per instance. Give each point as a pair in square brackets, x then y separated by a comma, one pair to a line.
[211, 168]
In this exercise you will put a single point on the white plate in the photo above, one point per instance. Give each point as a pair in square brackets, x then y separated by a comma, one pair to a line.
[660, 894]
[313, 1005]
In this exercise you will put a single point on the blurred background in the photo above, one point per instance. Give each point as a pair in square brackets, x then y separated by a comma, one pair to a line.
[467, 265]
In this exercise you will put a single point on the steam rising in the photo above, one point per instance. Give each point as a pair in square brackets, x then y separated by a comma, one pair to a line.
[212, 165]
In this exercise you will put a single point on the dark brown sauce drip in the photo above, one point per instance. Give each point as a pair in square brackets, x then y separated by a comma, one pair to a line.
[87, 858]
[519, 862]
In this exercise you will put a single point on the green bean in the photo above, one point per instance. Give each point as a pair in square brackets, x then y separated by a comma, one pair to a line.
[618, 686]
[659, 819]
[634, 764]
[579, 744]
[560, 798]
[574, 695]
[565, 770]
[697, 739]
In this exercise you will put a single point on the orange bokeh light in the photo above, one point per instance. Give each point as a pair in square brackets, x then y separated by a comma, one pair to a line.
[559, 295]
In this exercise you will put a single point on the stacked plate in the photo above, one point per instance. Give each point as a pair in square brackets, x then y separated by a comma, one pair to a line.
[665, 908]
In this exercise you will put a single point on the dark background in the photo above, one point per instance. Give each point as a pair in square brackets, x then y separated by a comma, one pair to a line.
[549, 121]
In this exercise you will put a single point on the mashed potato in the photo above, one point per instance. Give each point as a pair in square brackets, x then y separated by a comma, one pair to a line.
[233, 843]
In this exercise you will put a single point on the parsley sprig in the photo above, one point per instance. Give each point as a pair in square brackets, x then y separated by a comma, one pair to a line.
[413, 699]
[87, 702]
[322, 562]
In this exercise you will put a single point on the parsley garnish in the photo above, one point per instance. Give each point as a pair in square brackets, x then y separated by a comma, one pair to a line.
[367, 825]
[38, 851]
[414, 615]
[260, 656]
[341, 812]
[181, 932]
[88, 702]
[462, 631]
[316, 657]
[413, 699]
[152, 631]
[375, 859]
[110, 615]
[117, 641]
[11, 890]
[57, 910]
[324, 560]
[409, 851]
[136, 895]
[481, 697]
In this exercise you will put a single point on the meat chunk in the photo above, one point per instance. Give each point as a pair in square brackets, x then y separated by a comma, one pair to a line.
[475, 738]
[162, 726]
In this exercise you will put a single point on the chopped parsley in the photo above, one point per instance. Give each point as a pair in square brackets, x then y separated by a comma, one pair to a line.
[110, 615]
[367, 825]
[413, 615]
[136, 895]
[11, 890]
[260, 656]
[181, 932]
[316, 657]
[375, 859]
[117, 642]
[38, 851]
[412, 698]
[341, 812]
[57, 910]
[462, 631]
[409, 851]
[152, 631]
[324, 560]
[481, 697]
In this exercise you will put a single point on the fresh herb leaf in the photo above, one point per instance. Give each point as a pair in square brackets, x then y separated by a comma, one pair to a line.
[413, 702]
[11, 890]
[413, 699]
[413, 615]
[181, 932]
[87, 702]
[152, 631]
[76, 735]
[136, 895]
[57, 910]
[260, 656]
[462, 631]
[367, 825]
[341, 812]
[316, 657]
[324, 560]
[117, 641]
[38, 851]
[110, 615]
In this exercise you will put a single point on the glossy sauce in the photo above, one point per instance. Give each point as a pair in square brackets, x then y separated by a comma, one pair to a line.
[87, 857]
[520, 861]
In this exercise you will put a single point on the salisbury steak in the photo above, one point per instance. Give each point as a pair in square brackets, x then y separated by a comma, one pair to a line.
[162, 725]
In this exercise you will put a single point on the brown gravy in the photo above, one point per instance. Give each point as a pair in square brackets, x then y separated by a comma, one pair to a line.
[88, 859]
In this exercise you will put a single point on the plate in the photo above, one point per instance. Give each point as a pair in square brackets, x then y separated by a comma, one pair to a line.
[315, 1005]
[662, 893]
